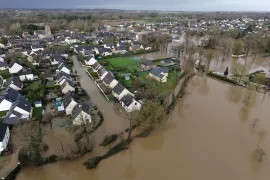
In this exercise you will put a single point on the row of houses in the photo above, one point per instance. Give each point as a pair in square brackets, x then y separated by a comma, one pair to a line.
[124, 96]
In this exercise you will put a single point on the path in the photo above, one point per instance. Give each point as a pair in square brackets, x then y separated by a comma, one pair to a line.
[112, 122]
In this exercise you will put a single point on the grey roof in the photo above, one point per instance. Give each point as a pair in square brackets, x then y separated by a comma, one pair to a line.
[62, 75]
[148, 63]
[23, 104]
[96, 65]
[79, 108]
[3, 129]
[67, 82]
[67, 99]
[167, 61]
[118, 88]
[17, 82]
[25, 71]
[108, 78]
[10, 95]
[88, 58]
[17, 114]
[101, 71]
[158, 72]
[127, 100]
[12, 120]
[3, 64]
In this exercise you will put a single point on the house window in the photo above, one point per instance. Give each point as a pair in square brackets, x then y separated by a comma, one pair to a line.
[135, 104]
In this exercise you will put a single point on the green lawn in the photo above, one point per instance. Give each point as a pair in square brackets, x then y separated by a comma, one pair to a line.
[143, 74]
[37, 112]
[124, 62]
[3, 113]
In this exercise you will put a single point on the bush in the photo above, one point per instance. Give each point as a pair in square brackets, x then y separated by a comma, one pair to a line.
[223, 78]
[109, 139]
[117, 148]
[92, 162]
[144, 134]
[51, 159]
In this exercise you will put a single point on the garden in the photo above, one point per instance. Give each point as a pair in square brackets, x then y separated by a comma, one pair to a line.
[126, 63]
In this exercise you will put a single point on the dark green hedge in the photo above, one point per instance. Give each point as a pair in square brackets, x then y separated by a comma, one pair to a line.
[109, 139]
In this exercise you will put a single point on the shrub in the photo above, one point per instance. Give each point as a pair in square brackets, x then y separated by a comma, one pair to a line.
[117, 148]
[51, 159]
[92, 162]
[109, 139]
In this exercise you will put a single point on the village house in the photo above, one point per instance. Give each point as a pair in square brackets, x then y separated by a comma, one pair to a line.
[81, 114]
[61, 77]
[63, 67]
[3, 66]
[69, 103]
[22, 109]
[26, 74]
[90, 60]
[7, 98]
[67, 86]
[119, 91]
[159, 74]
[15, 83]
[102, 72]
[36, 48]
[14, 68]
[120, 50]
[109, 80]
[129, 103]
[96, 66]
[4, 136]
[136, 46]
[147, 65]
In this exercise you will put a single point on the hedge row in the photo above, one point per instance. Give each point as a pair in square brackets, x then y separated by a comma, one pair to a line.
[93, 162]
[109, 139]
[129, 54]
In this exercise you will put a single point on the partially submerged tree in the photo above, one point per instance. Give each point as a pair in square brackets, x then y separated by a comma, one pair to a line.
[151, 116]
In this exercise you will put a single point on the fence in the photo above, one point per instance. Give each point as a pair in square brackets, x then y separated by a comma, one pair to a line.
[12, 175]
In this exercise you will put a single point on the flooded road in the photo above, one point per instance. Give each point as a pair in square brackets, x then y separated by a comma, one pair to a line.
[210, 135]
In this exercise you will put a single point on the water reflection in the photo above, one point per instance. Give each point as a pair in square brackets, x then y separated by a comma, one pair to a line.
[204, 87]
[234, 94]
[130, 172]
[156, 141]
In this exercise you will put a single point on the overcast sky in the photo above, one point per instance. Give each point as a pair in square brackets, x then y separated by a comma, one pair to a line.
[172, 5]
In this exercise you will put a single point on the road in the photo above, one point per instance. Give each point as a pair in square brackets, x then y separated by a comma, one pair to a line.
[113, 123]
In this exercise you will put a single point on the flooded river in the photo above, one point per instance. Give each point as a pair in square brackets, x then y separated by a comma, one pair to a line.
[210, 135]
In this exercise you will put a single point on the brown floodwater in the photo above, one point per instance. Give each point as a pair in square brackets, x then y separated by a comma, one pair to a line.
[210, 135]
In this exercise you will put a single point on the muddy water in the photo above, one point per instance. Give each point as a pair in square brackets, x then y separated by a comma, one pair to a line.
[209, 136]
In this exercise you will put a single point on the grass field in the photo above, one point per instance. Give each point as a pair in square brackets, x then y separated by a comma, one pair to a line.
[124, 62]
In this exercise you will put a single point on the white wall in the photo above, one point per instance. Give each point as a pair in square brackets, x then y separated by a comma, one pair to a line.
[135, 106]
[5, 105]
[26, 77]
[123, 93]
[4, 143]
[91, 62]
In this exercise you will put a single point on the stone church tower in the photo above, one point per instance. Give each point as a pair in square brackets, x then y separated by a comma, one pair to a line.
[48, 32]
